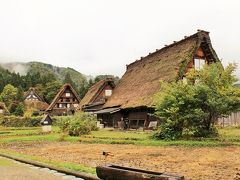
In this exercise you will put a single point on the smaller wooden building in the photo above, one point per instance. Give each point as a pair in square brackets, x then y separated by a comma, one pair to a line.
[32, 100]
[46, 120]
[3, 109]
[46, 123]
[65, 102]
[97, 95]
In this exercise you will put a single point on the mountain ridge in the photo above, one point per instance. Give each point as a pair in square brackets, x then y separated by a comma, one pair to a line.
[35, 66]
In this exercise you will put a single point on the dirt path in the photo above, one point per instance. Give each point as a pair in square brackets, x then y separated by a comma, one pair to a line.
[193, 163]
[12, 170]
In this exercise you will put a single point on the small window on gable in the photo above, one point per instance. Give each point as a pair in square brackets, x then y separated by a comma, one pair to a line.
[108, 92]
[68, 94]
[199, 63]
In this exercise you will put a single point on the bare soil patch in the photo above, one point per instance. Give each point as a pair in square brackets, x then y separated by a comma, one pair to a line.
[193, 163]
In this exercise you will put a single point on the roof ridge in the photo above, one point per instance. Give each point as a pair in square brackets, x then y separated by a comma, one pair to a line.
[199, 33]
[106, 79]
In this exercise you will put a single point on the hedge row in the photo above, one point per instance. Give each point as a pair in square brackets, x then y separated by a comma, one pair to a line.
[15, 121]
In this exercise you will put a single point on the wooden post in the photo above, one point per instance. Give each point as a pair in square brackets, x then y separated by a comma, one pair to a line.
[137, 124]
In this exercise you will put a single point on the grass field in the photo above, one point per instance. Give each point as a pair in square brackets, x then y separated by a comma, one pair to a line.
[228, 136]
[212, 158]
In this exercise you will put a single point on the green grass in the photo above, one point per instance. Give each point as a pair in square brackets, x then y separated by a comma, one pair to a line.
[6, 162]
[227, 137]
[71, 166]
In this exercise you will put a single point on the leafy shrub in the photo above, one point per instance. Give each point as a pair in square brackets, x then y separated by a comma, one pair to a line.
[191, 109]
[79, 124]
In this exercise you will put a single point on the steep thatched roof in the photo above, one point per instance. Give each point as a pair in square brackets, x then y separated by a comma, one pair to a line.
[38, 105]
[33, 104]
[32, 91]
[61, 91]
[141, 80]
[94, 91]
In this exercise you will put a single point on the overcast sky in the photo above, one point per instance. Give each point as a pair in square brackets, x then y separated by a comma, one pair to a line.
[102, 36]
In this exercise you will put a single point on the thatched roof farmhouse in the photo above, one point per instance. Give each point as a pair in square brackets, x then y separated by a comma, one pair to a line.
[97, 95]
[133, 96]
[66, 101]
[33, 101]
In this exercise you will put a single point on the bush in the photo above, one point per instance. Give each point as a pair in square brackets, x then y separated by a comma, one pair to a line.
[79, 124]
[19, 111]
[15, 121]
[191, 109]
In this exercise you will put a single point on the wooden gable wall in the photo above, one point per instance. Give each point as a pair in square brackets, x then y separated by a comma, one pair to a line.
[101, 95]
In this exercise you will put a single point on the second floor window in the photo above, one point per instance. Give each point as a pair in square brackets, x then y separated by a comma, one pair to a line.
[199, 63]
[108, 92]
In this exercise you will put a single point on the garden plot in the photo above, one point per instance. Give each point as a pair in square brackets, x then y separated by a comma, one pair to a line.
[192, 162]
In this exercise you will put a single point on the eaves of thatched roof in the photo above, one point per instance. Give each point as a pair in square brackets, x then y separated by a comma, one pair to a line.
[38, 105]
[141, 81]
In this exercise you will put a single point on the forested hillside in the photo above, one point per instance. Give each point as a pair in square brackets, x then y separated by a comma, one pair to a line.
[38, 68]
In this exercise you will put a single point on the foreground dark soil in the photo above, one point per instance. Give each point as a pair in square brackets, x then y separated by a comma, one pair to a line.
[192, 162]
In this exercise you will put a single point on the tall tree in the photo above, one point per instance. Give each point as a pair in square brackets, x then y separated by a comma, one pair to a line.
[51, 90]
[9, 94]
[19, 110]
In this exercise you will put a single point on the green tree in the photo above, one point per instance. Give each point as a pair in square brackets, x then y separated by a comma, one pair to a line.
[68, 79]
[83, 89]
[51, 90]
[9, 94]
[20, 94]
[192, 108]
[19, 111]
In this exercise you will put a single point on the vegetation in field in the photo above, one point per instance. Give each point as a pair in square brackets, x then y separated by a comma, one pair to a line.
[6, 163]
[227, 137]
[191, 109]
[79, 124]
[15, 121]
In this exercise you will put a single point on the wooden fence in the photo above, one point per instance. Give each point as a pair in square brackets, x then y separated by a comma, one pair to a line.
[232, 120]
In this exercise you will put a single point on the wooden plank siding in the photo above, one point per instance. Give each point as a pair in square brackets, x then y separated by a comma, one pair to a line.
[232, 120]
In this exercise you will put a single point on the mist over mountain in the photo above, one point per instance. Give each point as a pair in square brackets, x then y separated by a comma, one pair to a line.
[42, 68]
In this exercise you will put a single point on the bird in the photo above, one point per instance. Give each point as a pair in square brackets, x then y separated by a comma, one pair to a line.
[106, 154]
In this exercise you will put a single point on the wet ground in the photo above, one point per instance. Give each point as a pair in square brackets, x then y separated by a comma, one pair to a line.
[13, 170]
